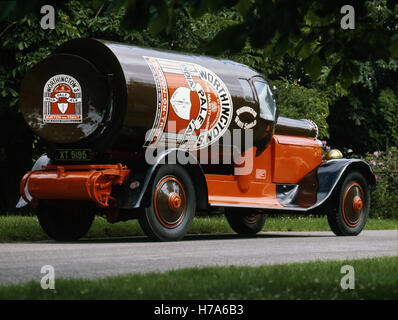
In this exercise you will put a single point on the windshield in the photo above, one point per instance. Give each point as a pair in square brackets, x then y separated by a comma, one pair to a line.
[266, 100]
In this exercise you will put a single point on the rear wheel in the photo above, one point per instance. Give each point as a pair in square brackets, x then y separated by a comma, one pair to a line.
[172, 205]
[65, 220]
[244, 221]
[349, 216]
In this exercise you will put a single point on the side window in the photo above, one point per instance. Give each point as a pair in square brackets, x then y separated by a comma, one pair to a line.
[247, 90]
[265, 99]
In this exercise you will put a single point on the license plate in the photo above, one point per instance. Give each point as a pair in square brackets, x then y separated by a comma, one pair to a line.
[73, 155]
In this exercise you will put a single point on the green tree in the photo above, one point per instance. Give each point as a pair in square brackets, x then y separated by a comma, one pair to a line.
[370, 110]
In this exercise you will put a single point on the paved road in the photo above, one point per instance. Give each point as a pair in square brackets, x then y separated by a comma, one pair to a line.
[21, 262]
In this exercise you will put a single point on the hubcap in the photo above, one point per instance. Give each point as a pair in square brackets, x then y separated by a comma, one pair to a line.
[352, 204]
[357, 204]
[174, 201]
[170, 202]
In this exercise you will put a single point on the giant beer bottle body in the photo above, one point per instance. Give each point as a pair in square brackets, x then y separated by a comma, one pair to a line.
[111, 96]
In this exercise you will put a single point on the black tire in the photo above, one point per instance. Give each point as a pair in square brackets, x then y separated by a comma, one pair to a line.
[249, 222]
[65, 220]
[167, 218]
[348, 217]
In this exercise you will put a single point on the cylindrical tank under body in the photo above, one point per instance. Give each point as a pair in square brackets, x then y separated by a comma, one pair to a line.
[104, 95]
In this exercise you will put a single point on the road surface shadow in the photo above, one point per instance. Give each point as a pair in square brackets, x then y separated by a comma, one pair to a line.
[201, 237]
[256, 236]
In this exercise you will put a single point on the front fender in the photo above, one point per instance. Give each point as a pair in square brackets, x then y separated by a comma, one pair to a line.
[331, 172]
[318, 186]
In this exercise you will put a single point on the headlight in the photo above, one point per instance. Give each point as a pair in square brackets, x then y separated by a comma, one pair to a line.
[334, 154]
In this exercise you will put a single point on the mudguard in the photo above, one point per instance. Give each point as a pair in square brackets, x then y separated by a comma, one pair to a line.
[42, 161]
[331, 172]
[132, 193]
[318, 186]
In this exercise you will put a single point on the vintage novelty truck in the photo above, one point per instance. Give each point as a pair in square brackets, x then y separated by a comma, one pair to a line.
[153, 135]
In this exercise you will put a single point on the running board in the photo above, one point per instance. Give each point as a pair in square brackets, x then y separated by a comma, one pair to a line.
[259, 206]
[227, 191]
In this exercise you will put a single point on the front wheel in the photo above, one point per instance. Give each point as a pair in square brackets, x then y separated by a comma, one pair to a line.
[172, 205]
[65, 220]
[350, 214]
[247, 223]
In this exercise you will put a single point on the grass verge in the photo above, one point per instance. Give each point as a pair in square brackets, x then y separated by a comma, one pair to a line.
[23, 228]
[375, 278]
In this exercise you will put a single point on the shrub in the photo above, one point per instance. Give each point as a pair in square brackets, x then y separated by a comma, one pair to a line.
[298, 102]
[384, 196]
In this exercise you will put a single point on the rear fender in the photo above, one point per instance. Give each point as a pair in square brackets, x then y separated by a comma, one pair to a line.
[133, 193]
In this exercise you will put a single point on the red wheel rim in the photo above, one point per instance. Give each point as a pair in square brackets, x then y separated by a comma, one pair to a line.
[352, 204]
[170, 202]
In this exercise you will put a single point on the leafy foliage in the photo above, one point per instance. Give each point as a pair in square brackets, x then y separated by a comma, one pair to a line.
[296, 101]
[370, 109]
[309, 30]
[384, 197]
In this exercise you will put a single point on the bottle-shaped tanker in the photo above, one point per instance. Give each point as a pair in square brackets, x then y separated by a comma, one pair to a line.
[101, 107]
[102, 95]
